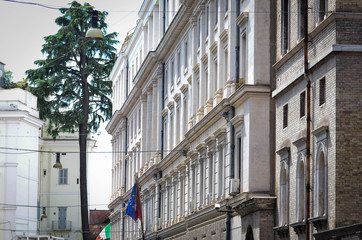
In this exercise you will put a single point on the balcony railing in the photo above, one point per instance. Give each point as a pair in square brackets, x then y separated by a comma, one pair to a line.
[62, 225]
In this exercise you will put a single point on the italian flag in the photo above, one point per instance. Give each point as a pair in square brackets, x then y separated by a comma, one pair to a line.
[105, 234]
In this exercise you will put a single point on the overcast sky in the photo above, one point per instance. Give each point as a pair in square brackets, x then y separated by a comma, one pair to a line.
[22, 29]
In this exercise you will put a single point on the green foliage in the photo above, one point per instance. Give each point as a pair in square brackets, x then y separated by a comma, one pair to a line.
[72, 83]
[8, 77]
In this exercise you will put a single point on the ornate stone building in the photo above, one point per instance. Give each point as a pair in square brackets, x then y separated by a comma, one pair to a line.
[318, 119]
[193, 120]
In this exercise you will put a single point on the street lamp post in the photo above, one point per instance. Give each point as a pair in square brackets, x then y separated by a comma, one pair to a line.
[94, 33]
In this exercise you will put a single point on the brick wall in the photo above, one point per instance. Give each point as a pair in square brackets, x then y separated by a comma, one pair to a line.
[349, 136]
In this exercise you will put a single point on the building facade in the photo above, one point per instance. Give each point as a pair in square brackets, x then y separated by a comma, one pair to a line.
[193, 121]
[19, 129]
[318, 119]
[59, 190]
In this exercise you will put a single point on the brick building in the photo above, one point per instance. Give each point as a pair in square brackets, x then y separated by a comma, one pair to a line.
[318, 162]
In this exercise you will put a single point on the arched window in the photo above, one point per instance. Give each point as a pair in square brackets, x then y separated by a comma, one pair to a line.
[283, 196]
[300, 189]
[249, 234]
[320, 183]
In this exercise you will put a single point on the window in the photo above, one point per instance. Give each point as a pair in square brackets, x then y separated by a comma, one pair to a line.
[166, 82]
[63, 176]
[207, 20]
[172, 73]
[322, 10]
[185, 117]
[322, 91]
[283, 194]
[226, 6]
[216, 11]
[285, 26]
[211, 178]
[300, 190]
[221, 172]
[239, 158]
[186, 55]
[243, 64]
[301, 18]
[207, 87]
[302, 104]
[320, 182]
[285, 116]
[179, 65]
[199, 32]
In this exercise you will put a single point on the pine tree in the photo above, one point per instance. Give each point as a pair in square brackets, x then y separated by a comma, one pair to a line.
[72, 83]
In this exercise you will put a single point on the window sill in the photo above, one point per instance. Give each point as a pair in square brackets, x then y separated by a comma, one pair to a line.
[282, 231]
[299, 227]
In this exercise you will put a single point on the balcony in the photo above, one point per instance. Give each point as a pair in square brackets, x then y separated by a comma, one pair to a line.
[61, 225]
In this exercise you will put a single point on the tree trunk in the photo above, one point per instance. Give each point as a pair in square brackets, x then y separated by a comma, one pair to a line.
[83, 127]
[83, 179]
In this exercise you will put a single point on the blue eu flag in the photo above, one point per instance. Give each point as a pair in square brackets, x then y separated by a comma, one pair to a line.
[134, 204]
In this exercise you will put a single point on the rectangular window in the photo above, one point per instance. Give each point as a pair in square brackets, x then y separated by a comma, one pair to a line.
[322, 10]
[301, 18]
[216, 11]
[285, 26]
[302, 104]
[239, 159]
[207, 20]
[172, 73]
[243, 64]
[63, 176]
[285, 116]
[185, 55]
[322, 91]
[199, 32]
[226, 6]
[179, 65]
[166, 82]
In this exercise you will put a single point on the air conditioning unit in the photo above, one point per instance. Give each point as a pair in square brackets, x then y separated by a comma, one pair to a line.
[234, 186]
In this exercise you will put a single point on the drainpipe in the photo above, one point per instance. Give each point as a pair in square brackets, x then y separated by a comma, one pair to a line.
[237, 44]
[308, 145]
[162, 104]
[232, 169]
[125, 167]
[127, 67]
[164, 17]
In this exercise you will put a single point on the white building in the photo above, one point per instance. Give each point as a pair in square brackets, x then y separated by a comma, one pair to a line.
[192, 118]
[59, 191]
[19, 129]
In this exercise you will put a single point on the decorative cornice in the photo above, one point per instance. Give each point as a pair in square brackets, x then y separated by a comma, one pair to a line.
[205, 58]
[213, 47]
[242, 19]
[184, 88]
[237, 121]
[224, 35]
[196, 68]
[170, 105]
[177, 97]
[164, 112]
